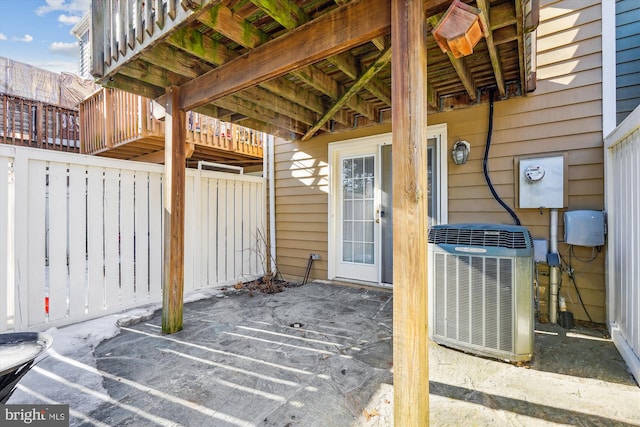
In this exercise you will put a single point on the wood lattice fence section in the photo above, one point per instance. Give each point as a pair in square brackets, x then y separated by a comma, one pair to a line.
[35, 124]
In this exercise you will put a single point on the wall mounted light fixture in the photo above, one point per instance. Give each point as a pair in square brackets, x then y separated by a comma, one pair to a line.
[460, 152]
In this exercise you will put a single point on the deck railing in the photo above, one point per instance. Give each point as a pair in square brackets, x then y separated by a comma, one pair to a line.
[35, 124]
[207, 131]
[622, 195]
[111, 118]
[121, 28]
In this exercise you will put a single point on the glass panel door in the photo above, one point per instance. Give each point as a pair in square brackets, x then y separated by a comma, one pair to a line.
[357, 217]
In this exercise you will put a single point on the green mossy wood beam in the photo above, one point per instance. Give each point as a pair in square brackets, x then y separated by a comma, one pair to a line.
[380, 62]
[349, 26]
[285, 12]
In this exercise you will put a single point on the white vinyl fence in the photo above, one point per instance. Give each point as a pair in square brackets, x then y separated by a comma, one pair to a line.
[622, 165]
[81, 237]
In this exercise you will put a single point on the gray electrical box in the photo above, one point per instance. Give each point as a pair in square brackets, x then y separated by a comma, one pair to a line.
[540, 250]
[584, 228]
[541, 182]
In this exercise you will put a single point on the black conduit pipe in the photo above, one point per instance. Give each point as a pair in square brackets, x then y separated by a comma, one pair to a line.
[484, 165]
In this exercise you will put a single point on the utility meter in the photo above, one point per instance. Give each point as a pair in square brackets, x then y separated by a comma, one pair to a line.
[541, 182]
[534, 173]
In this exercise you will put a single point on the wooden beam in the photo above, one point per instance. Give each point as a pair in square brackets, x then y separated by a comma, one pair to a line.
[350, 65]
[291, 16]
[210, 110]
[502, 15]
[436, 6]
[505, 35]
[496, 64]
[409, 164]
[459, 65]
[174, 199]
[289, 90]
[464, 74]
[155, 157]
[379, 43]
[215, 53]
[320, 81]
[284, 12]
[142, 70]
[232, 26]
[201, 46]
[120, 81]
[432, 97]
[176, 61]
[258, 112]
[337, 31]
[521, 50]
[377, 65]
[280, 105]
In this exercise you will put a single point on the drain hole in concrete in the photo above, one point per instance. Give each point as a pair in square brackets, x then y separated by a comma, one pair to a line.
[296, 325]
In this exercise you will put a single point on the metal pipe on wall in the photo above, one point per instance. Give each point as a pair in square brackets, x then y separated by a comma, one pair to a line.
[554, 274]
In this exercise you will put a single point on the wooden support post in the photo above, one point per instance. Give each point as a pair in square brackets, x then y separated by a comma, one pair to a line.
[409, 118]
[5, 117]
[173, 203]
[41, 137]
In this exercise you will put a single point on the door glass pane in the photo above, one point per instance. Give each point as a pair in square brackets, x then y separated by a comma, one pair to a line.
[358, 183]
[347, 230]
[347, 251]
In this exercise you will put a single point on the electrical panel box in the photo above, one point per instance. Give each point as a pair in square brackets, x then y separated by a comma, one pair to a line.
[584, 228]
[540, 249]
[541, 182]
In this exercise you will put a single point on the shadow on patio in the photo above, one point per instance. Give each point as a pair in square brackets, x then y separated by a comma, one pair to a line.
[315, 355]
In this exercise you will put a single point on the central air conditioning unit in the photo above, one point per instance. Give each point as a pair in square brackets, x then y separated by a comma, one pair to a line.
[481, 289]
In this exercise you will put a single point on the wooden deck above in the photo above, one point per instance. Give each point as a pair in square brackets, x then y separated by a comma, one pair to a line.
[122, 125]
[301, 68]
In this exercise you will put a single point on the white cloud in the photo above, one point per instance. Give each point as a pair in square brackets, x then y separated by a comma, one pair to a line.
[67, 49]
[76, 7]
[2, 37]
[26, 38]
[69, 11]
[68, 19]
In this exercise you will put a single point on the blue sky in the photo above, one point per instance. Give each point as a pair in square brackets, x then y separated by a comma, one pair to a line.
[37, 32]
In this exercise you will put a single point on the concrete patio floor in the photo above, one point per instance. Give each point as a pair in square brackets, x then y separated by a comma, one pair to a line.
[316, 355]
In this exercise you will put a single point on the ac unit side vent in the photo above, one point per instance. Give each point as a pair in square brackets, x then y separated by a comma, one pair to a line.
[476, 307]
[480, 237]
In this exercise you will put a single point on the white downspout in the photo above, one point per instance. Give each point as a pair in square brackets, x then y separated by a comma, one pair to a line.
[272, 202]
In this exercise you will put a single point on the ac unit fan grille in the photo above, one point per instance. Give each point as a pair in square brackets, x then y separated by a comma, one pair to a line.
[480, 237]
[475, 307]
